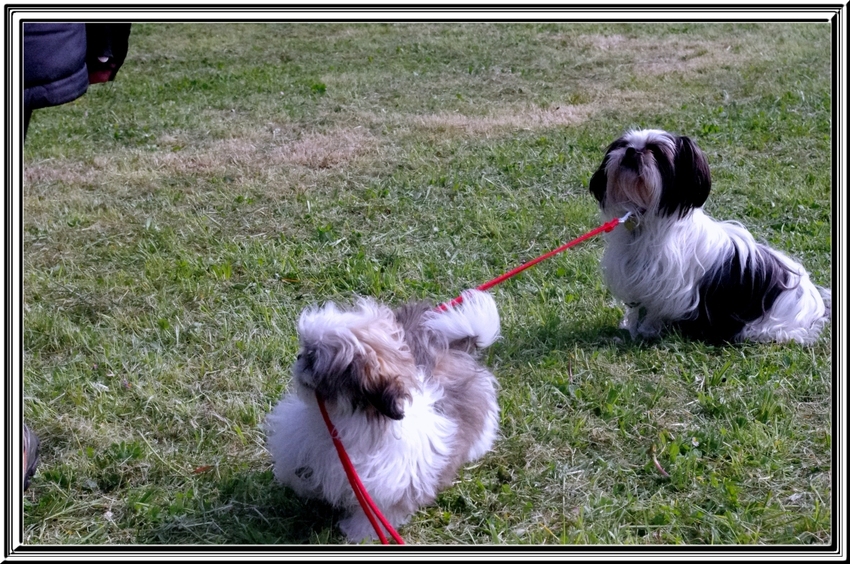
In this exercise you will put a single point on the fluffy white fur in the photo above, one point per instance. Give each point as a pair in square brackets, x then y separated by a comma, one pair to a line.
[406, 395]
[675, 265]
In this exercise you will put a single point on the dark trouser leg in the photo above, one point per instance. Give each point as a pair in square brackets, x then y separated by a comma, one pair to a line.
[27, 116]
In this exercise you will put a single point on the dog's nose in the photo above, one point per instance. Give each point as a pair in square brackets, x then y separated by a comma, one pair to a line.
[631, 158]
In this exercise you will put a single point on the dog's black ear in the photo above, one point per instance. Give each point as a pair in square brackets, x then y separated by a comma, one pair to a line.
[599, 181]
[382, 382]
[389, 399]
[691, 180]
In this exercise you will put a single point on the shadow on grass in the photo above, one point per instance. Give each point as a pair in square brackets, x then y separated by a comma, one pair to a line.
[250, 509]
[556, 333]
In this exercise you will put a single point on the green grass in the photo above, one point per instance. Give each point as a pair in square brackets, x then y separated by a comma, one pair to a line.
[177, 220]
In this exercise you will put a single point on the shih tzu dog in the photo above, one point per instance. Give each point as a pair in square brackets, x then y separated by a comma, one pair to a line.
[674, 266]
[409, 400]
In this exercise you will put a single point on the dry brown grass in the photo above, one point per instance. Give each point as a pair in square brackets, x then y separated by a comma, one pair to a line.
[503, 120]
[325, 150]
[286, 152]
[667, 55]
[256, 156]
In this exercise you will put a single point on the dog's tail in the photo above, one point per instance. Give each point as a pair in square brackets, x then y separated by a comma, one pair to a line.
[475, 318]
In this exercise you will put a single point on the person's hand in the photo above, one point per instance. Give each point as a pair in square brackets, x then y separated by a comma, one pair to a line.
[102, 71]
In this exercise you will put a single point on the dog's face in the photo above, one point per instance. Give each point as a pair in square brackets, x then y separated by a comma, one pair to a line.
[651, 171]
[356, 360]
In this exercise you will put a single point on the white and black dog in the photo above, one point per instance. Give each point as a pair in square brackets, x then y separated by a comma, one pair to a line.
[408, 398]
[674, 266]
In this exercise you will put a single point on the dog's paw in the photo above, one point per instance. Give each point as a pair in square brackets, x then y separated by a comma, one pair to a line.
[631, 322]
[357, 528]
[649, 329]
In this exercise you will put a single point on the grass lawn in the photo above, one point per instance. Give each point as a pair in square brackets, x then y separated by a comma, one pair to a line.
[177, 220]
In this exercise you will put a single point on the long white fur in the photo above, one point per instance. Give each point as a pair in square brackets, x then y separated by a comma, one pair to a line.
[398, 461]
[797, 315]
[345, 329]
[477, 316]
[398, 464]
[660, 269]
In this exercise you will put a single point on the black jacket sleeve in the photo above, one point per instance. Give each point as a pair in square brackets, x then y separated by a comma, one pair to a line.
[54, 64]
[62, 59]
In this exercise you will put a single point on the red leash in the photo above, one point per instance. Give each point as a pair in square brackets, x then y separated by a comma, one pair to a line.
[510, 274]
[366, 502]
[369, 506]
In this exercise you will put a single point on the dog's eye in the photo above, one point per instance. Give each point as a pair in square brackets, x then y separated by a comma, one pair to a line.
[308, 355]
[304, 473]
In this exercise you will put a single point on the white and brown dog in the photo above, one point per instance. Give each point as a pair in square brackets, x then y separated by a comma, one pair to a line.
[409, 400]
[678, 267]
